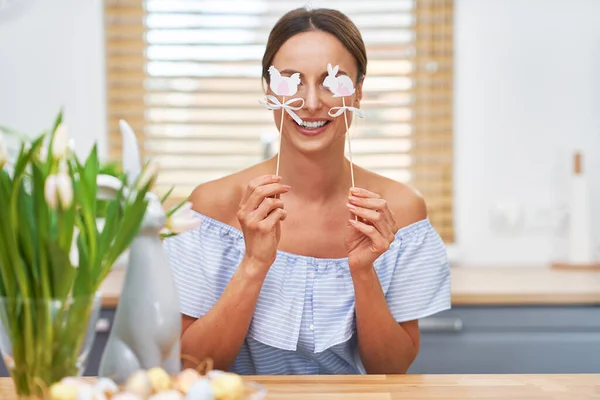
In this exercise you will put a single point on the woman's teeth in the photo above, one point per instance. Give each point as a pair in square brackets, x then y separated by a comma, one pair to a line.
[313, 125]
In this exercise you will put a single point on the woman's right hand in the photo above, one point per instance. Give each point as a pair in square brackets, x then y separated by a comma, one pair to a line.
[259, 214]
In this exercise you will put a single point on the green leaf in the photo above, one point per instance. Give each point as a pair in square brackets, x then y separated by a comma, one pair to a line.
[62, 271]
[42, 215]
[50, 160]
[174, 209]
[166, 196]
[27, 234]
[84, 283]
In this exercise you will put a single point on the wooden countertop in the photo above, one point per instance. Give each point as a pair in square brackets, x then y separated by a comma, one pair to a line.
[481, 286]
[391, 387]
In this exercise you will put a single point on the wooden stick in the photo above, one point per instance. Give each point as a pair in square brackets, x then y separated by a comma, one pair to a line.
[349, 146]
[349, 142]
[280, 129]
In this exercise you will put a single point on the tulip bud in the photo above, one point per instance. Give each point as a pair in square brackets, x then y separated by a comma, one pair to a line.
[60, 142]
[183, 220]
[58, 187]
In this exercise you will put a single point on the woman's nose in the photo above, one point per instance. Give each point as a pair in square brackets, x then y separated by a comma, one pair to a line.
[312, 100]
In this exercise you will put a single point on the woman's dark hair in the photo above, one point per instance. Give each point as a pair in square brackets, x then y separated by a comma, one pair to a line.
[321, 19]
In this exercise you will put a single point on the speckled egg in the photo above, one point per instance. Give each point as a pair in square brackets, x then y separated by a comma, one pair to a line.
[106, 385]
[125, 396]
[160, 379]
[63, 391]
[139, 384]
[200, 390]
[228, 386]
[185, 379]
[167, 395]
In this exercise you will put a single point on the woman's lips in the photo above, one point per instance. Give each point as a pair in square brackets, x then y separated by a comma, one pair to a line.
[311, 131]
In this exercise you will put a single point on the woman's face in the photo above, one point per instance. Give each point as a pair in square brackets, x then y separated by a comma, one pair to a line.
[309, 53]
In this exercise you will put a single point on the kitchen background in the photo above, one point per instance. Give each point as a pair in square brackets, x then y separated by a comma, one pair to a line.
[526, 97]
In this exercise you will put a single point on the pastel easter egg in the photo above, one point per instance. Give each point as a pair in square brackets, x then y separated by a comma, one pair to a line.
[185, 379]
[160, 379]
[200, 390]
[62, 391]
[228, 386]
[125, 396]
[167, 395]
[106, 386]
[139, 384]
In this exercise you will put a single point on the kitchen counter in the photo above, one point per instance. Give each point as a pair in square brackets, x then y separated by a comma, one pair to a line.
[480, 286]
[389, 387]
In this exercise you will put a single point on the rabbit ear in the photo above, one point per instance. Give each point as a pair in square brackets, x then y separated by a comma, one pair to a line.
[330, 69]
[336, 69]
[132, 163]
[108, 186]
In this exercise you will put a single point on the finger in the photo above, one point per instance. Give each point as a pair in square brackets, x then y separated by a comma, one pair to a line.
[260, 181]
[377, 219]
[369, 202]
[264, 209]
[378, 242]
[262, 192]
[377, 204]
[268, 224]
[360, 192]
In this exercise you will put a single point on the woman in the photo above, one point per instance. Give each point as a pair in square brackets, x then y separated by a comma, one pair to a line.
[299, 273]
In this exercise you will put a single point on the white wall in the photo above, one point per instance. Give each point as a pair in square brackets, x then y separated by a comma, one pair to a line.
[51, 56]
[527, 94]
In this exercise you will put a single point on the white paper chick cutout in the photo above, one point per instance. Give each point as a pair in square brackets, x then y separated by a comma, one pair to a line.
[340, 86]
[283, 85]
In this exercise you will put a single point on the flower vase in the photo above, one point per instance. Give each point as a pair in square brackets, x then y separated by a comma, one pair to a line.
[45, 340]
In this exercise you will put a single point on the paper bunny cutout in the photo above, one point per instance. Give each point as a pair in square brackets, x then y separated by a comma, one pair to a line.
[283, 85]
[340, 86]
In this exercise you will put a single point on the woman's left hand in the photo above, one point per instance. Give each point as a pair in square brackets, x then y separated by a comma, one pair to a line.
[372, 234]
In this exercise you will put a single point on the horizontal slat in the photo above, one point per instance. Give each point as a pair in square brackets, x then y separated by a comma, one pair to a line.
[251, 36]
[250, 7]
[241, 132]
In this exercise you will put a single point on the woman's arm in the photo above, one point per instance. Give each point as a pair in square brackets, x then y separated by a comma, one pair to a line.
[385, 346]
[220, 333]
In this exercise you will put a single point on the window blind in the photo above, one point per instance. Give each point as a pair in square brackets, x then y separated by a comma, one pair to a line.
[187, 76]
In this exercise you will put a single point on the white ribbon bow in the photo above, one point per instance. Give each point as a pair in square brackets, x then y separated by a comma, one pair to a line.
[273, 103]
[340, 111]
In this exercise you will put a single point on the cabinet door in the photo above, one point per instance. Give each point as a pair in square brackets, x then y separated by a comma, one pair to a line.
[493, 340]
[103, 327]
[508, 353]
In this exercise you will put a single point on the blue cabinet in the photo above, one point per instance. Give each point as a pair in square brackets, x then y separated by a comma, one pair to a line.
[516, 340]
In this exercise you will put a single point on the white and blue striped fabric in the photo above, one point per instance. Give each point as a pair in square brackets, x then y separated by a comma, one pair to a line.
[304, 321]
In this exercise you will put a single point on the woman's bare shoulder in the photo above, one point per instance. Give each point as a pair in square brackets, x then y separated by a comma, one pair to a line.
[406, 202]
[219, 199]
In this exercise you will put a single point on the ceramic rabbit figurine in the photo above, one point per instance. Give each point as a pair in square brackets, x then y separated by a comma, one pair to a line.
[147, 326]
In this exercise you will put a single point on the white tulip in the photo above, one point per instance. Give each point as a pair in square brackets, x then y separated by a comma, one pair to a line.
[148, 175]
[183, 220]
[3, 153]
[57, 187]
[60, 142]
